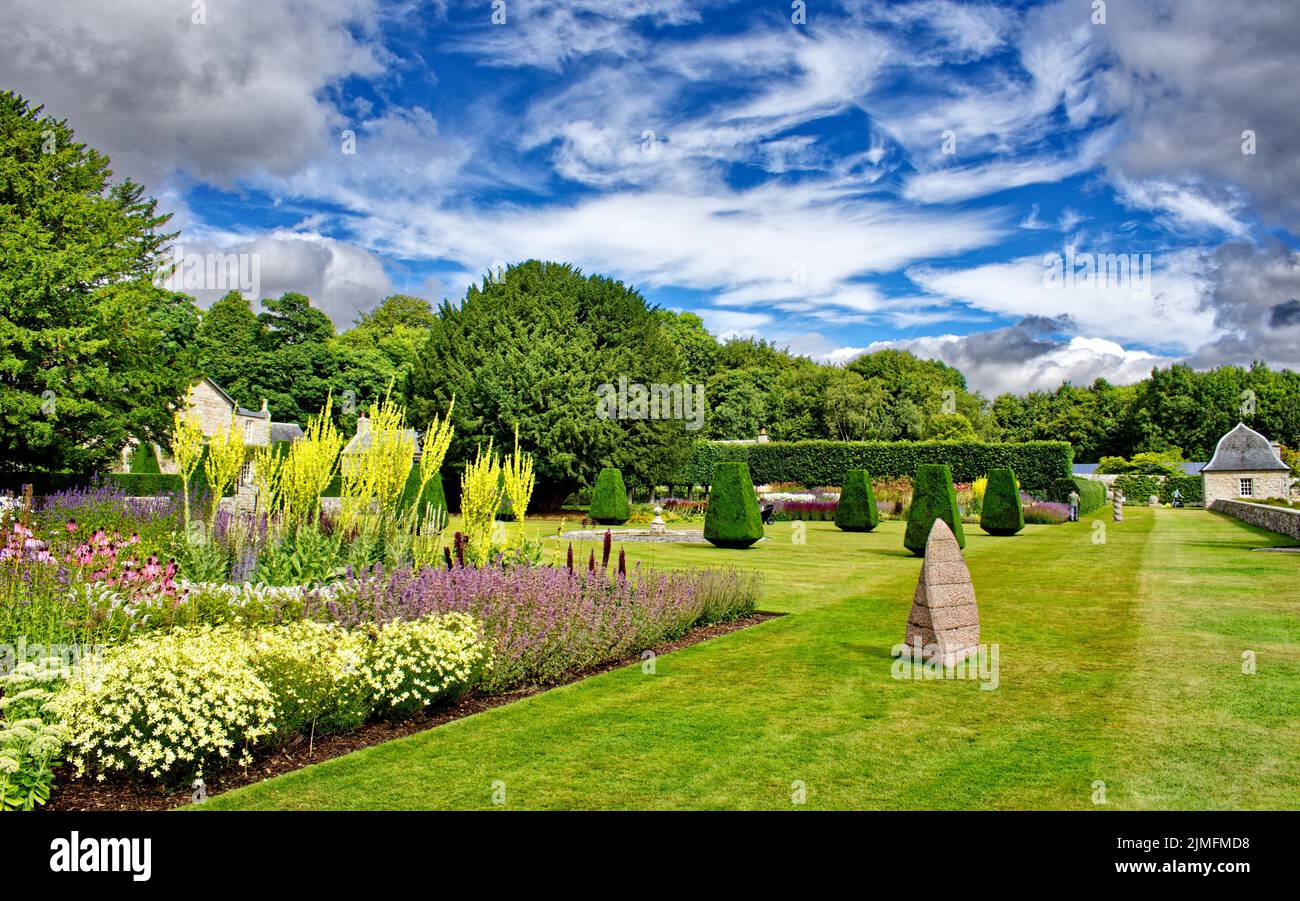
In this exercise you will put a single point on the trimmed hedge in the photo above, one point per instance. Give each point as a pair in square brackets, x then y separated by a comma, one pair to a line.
[733, 519]
[1193, 488]
[1039, 464]
[433, 497]
[609, 505]
[933, 497]
[1137, 489]
[1092, 493]
[145, 484]
[144, 459]
[1002, 513]
[857, 508]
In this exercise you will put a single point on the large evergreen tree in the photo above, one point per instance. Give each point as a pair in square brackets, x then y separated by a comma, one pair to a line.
[529, 348]
[88, 343]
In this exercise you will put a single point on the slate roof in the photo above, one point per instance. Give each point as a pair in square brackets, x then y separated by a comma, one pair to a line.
[285, 431]
[1244, 450]
[1088, 469]
[361, 442]
[242, 411]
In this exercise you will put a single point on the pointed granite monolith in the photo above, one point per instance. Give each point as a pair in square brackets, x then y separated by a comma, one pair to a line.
[944, 623]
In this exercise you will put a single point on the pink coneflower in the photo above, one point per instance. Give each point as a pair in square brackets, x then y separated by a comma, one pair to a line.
[71, 526]
[134, 539]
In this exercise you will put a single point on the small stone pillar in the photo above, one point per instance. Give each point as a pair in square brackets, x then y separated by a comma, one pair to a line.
[657, 525]
[944, 622]
[1118, 507]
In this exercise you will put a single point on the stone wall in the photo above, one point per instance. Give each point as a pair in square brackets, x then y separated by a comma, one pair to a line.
[1227, 485]
[1275, 519]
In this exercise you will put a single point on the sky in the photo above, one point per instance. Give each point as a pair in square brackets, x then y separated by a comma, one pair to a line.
[933, 175]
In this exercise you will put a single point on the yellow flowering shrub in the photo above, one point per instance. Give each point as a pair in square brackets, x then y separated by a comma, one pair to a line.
[179, 703]
[482, 490]
[314, 672]
[413, 664]
[167, 704]
[222, 465]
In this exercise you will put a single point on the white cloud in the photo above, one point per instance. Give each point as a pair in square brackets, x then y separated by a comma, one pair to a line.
[1169, 314]
[243, 93]
[341, 279]
[993, 369]
[724, 324]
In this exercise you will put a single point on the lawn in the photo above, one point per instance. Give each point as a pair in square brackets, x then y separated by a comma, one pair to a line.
[1120, 663]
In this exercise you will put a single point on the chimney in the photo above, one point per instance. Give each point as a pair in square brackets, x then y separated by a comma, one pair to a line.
[266, 412]
[363, 424]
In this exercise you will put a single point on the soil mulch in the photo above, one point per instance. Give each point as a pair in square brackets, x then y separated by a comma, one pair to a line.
[120, 794]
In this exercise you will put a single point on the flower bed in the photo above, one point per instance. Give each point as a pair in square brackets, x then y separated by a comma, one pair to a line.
[181, 678]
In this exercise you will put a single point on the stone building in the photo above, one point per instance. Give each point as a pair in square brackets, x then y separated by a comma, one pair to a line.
[214, 409]
[362, 440]
[1245, 465]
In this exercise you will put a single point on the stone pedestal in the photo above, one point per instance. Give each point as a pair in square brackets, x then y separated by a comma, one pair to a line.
[1118, 508]
[657, 525]
[944, 622]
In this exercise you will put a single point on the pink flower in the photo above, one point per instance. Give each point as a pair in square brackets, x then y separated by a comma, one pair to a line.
[71, 526]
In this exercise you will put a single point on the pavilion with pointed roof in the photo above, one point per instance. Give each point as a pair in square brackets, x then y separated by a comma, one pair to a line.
[1245, 466]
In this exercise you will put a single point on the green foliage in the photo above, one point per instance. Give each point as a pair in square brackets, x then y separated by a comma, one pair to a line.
[1039, 463]
[144, 484]
[1137, 489]
[933, 497]
[857, 508]
[290, 356]
[529, 348]
[1192, 488]
[1002, 514]
[609, 504]
[1092, 494]
[1152, 463]
[733, 519]
[433, 499]
[144, 459]
[85, 335]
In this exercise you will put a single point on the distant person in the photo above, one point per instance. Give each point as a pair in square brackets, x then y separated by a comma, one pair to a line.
[1177, 499]
[1074, 506]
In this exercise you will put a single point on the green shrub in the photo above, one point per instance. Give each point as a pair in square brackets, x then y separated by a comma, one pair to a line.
[1039, 464]
[1192, 487]
[434, 497]
[933, 497]
[733, 519]
[857, 508]
[1002, 514]
[145, 484]
[144, 459]
[609, 505]
[1137, 489]
[414, 663]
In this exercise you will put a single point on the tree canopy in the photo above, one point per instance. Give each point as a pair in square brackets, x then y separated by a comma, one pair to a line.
[90, 348]
[528, 349]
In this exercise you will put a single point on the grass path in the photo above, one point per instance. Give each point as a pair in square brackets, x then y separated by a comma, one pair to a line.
[1118, 661]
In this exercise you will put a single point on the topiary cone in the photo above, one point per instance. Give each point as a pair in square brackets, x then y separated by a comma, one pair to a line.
[609, 505]
[857, 508]
[933, 497]
[1002, 513]
[733, 519]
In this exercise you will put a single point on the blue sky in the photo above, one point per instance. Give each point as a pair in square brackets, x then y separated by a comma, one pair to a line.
[879, 174]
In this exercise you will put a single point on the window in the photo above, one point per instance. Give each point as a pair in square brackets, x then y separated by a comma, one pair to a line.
[1247, 488]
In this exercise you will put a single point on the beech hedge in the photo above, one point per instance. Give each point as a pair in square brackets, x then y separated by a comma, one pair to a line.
[1038, 464]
